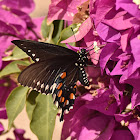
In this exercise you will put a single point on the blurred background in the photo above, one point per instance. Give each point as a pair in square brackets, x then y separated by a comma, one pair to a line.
[22, 120]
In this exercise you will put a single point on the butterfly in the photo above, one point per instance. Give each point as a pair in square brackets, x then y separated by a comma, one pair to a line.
[55, 71]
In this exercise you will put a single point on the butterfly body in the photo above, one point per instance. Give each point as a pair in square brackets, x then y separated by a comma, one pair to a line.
[56, 70]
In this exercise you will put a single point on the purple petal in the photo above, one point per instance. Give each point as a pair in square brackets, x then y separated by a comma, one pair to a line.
[3, 114]
[5, 42]
[34, 32]
[122, 135]
[119, 21]
[96, 128]
[134, 127]
[27, 7]
[11, 18]
[65, 9]
[117, 89]
[101, 104]
[23, 16]
[8, 86]
[19, 134]
[135, 41]
[135, 97]
[125, 37]
[106, 54]
[107, 33]
[101, 8]
[125, 117]
[129, 6]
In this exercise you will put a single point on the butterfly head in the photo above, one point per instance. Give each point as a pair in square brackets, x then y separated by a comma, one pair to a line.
[83, 59]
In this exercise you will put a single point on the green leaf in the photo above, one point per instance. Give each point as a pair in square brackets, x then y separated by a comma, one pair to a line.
[58, 27]
[31, 103]
[43, 118]
[15, 103]
[67, 32]
[17, 54]
[13, 67]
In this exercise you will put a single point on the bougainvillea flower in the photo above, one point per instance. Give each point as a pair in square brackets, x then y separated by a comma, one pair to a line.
[95, 128]
[19, 135]
[89, 125]
[105, 103]
[119, 20]
[24, 27]
[63, 10]
[131, 119]
[26, 7]
[128, 64]
[129, 6]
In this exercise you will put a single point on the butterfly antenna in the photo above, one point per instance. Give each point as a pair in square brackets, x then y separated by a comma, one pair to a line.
[90, 45]
[74, 35]
[101, 46]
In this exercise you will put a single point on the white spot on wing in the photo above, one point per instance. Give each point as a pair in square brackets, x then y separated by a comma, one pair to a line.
[57, 104]
[29, 50]
[38, 83]
[33, 54]
[42, 86]
[37, 59]
[67, 102]
[47, 86]
[54, 96]
[35, 89]
[71, 107]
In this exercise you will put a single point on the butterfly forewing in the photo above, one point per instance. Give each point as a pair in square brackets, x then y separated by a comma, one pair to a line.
[40, 51]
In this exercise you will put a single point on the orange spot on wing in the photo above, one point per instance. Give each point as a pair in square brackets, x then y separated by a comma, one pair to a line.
[75, 86]
[63, 75]
[59, 85]
[59, 93]
[66, 102]
[62, 99]
[71, 96]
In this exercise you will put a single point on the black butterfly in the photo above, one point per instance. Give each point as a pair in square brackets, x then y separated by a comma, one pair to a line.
[56, 71]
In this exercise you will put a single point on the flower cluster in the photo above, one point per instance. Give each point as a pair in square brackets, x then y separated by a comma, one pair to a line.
[15, 23]
[109, 108]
